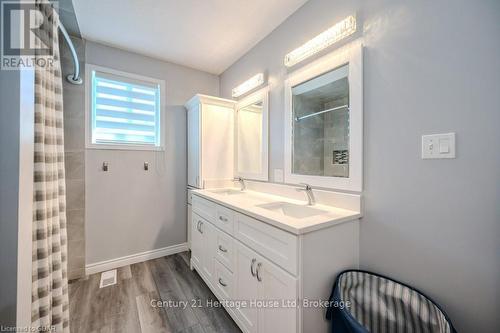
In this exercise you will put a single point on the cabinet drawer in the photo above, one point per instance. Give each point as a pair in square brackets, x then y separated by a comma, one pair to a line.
[224, 219]
[223, 281]
[275, 244]
[204, 208]
[225, 250]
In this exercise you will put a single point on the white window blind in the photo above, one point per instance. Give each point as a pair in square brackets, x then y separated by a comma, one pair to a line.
[125, 111]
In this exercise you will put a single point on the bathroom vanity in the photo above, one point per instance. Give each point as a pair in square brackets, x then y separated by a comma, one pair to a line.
[269, 259]
[268, 256]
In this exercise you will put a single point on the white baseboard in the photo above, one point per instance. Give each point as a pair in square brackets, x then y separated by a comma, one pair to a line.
[134, 258]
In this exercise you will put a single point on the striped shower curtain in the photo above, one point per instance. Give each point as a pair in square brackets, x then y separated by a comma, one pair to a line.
[50, 308]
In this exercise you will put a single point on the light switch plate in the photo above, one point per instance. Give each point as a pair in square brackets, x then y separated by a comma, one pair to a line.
[438, 146]
[278, 175]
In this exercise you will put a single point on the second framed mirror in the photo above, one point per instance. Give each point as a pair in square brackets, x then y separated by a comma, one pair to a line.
[252, 136]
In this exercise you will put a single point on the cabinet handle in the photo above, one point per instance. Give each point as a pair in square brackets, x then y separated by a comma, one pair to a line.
[259, 265]
[222, 283]
[251, 267]
[223, 219]
[201, 227]
[222, 249]
[198, 226]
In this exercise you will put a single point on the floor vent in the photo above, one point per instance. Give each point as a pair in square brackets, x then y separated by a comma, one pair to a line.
[108, 278]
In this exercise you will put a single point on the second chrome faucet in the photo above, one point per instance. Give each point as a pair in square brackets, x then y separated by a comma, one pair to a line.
[309, 192]
[241, 181]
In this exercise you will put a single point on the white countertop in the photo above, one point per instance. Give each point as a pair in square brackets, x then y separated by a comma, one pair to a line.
[246, 202]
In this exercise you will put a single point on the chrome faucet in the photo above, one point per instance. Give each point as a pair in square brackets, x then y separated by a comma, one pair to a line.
[309, 192]
[241, 181]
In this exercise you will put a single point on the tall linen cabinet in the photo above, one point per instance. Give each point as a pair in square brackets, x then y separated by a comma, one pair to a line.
[210, 141]
[210, 145]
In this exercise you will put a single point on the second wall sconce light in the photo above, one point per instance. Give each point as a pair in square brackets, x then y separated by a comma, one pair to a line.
[248, 85]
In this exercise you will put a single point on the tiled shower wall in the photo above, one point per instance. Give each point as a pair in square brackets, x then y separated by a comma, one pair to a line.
[308, 139]
[336, 129]
[316, 138]
[74, 148]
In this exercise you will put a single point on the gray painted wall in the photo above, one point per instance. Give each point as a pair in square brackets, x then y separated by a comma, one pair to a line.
[9, 193]
[128, 210]
[429, 67]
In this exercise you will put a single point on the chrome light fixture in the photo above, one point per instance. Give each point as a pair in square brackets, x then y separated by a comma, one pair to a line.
[339, 31]
[248, 85]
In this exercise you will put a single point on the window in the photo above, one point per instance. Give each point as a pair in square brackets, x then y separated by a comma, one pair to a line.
[124, 110]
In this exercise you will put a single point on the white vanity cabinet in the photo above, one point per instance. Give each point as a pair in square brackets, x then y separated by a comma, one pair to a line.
[260, 280]
[197, 241]
[244, 259]
[247, 288]
[203, 241]
[210, 127]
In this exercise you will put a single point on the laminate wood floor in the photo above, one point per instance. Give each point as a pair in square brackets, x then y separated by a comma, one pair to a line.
[126, 306]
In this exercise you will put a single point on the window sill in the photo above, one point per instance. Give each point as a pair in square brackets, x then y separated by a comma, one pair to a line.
[124, 147]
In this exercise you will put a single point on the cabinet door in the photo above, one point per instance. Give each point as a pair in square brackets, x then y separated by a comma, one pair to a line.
[276, 284]
[209, 249]
[217, 142]
[189, 219]
[246, 287]
[196, 241]
[194, 147]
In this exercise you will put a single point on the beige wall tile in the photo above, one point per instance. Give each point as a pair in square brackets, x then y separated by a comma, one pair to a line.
[76, 249]
[75, 164]
[76, 227]
[76, 273]
[74, 134]
[75, 194]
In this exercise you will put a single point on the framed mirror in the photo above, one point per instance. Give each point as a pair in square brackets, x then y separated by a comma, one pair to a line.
[252, 136]
[324, 122]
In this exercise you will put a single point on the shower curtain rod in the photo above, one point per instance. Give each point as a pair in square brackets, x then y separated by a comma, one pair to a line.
[320, 112]
[75, 77]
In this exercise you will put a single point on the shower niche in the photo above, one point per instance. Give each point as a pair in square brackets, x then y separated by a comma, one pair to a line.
[323, 132]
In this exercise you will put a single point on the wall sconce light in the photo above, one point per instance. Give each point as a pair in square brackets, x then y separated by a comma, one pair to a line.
[339, 31]
[248, 85]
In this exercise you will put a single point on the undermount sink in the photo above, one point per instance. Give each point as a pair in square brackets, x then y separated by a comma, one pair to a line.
[292, 210]
[227, 191]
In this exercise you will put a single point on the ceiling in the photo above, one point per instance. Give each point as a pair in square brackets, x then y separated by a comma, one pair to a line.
[208, 35]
